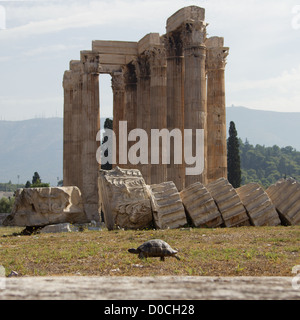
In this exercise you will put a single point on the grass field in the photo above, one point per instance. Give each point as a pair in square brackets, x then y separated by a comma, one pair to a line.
[246, 251]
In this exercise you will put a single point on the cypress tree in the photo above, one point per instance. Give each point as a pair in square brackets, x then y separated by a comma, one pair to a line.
[233, 157]
[108, 124]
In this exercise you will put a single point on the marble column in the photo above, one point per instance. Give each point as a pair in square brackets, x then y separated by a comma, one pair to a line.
[130, 111]
[68, 102]
[175, 101]
[75, 166]
[158, 106]
[195, 98]
[216, 108]
[118, 87]
[143, 108]
[91, 126]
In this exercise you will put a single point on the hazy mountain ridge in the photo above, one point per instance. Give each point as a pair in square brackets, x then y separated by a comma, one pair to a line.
[37, 144]
[266, 127]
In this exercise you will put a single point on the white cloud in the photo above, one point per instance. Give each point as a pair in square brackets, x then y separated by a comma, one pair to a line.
[280, 93]
[285, 82]
[43, 19]
[48, 49]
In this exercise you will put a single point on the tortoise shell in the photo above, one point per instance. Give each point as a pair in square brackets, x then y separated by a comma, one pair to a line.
[156, 248]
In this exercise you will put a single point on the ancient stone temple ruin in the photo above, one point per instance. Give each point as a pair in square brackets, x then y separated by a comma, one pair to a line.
[170, 81]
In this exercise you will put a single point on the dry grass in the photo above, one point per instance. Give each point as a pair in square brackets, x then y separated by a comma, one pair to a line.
[247, 251]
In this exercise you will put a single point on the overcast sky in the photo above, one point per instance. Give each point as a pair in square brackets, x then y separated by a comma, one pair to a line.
[41, 37]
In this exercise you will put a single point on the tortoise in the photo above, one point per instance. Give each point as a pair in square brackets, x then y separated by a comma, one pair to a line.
[155, 248]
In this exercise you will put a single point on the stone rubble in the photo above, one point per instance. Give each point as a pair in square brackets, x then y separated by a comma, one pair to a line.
[128, 203]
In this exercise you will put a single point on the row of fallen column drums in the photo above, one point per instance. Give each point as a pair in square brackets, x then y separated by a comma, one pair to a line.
[218, 204]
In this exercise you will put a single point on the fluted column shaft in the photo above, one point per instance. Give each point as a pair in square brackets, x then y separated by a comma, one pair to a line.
[175, 102]
[130, 112]
[216, 109]
[118, 87]
[91, 125]
[75, 166]
[195, 96]
[68, 102]
[144, 108]
[158, 106]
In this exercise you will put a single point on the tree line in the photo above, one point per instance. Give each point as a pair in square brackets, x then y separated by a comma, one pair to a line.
[260, 164]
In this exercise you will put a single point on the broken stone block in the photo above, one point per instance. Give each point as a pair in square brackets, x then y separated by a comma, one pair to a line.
[46, 206]
[124, 199]
[229, 203]
[167, 207]
[259, 206]
[201, 206]
[285, 195]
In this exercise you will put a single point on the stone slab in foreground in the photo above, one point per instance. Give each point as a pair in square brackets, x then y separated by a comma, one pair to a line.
[149, 288]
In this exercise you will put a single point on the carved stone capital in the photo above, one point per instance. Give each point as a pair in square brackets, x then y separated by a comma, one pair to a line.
[142, 66]
[129, 74]
[117, 81]
[173, 44]
[157, 57]
[216, 58]
[91, 62]
[193, 34]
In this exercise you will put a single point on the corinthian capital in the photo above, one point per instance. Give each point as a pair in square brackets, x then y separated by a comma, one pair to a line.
[117, 81]
[91, 62]
[216, 58]
[142, 66]
[193, 33]
[129, 74]
[157, 57]
[173, 44]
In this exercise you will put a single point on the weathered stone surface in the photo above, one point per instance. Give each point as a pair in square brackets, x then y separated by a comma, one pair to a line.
[200, 206]
[259, 206]
[124, 199]
[216, 109]
[45, 206]
[167, 207]
[229, 203]
[185, 15]
[137, 288]
[285, 195]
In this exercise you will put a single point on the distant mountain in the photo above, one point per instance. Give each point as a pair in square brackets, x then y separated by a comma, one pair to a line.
[29, 146]
[37, 144]
[266, 127]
